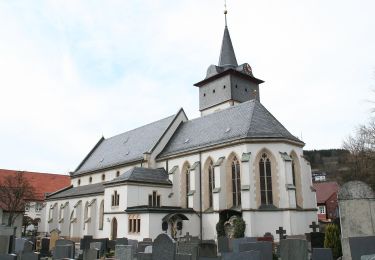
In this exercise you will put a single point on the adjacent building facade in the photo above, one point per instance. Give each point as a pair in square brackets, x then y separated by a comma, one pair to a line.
[178, 175]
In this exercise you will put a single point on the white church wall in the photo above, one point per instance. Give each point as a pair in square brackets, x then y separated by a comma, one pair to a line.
[209, 225]
[138, 195]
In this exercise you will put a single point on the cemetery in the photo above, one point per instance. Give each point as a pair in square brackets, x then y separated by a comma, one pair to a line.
[357, 237]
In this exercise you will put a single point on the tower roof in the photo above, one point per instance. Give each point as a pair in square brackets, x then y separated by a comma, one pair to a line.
[227, 55]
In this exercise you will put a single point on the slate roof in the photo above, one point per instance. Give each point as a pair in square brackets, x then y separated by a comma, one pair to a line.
[246, 120]
[43, 183]
[227, 55]
[126, 147]
[144, 175]
[79, 191]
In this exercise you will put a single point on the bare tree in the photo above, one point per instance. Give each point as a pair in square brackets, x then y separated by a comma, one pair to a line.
[15, 192]
[362, 153]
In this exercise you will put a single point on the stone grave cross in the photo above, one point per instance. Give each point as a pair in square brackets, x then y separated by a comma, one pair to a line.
[281, 233]
[314, 226]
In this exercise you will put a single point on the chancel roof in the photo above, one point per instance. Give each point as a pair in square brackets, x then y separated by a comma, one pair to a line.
[123, 148]
[246, 120]
[79, 191]
[143, 175]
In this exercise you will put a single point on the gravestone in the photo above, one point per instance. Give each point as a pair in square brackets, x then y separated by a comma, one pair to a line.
[63, 251]
[281, 232]
[144, 256]
[53, 238]
[8, 256]
[183, 257]
[314, 226]
[147, 239]
[148, 250]
[223, 244]
[237, 241]
[164, 248]
[357, 213]
[265, 249]
[360, 246]
[4, 244]
[91, 253]
[248, 255]
[122, 241]
[207, 249]
[317, 239]
[85, 242]
[368, 257]
[23, 245]
[133, 243]
[142, 245]
[293, 249]
[30, 256]
[322, 254]
[44, 250]
[124, 252]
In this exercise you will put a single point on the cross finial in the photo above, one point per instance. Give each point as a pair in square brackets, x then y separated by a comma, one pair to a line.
[225, 11]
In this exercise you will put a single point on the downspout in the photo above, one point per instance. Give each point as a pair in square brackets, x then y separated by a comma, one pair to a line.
[200, 196]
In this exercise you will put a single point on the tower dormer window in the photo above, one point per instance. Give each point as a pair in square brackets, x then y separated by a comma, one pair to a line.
[103, 177]
[154, 199]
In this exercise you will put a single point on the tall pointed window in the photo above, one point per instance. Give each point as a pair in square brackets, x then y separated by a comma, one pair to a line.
[211, 184]
[187, 176]
[236, 182]
[265, 180]
[101, 215]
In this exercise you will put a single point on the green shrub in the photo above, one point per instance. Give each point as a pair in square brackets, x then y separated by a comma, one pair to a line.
[220, 228]
[332, 240]
[239, 227]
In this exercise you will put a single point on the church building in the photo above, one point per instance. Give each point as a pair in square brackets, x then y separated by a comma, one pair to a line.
[177, 175]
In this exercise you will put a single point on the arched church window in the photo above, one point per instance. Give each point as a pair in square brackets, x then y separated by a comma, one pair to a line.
[187, 176]
[265, 180]
[103, 177]
[101, 215]
[236, 182]
[211, 183]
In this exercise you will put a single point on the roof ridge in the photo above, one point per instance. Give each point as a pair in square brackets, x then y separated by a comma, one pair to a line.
[32, 172]
[141, 126]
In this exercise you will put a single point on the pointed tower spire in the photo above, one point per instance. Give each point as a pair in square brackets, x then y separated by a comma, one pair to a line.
[227, 56]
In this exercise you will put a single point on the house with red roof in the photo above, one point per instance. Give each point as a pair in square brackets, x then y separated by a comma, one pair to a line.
[326, 196]
[43, 184]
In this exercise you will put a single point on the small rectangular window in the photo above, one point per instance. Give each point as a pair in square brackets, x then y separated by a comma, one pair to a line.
[138, 225]
[158, 201]
[134, 225]
[150, 200]
[130, 225]
[154, 198]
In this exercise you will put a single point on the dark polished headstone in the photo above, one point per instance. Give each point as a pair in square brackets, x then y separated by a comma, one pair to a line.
[317, 239]
[322, 254]
[207, 249]
[248, 255]
[360, 246]
[44, 250]
[164, 248]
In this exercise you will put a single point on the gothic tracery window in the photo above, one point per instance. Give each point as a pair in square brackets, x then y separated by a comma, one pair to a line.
[211, 184]
[265, 180]
[187, 176]
[236, 182]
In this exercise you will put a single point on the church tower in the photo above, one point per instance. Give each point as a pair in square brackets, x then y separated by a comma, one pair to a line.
[227, 84]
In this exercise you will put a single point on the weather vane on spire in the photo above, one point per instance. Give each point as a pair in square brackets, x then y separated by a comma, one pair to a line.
[225, 11]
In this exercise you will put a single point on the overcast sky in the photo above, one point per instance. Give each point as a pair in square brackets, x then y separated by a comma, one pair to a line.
[72, 71]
